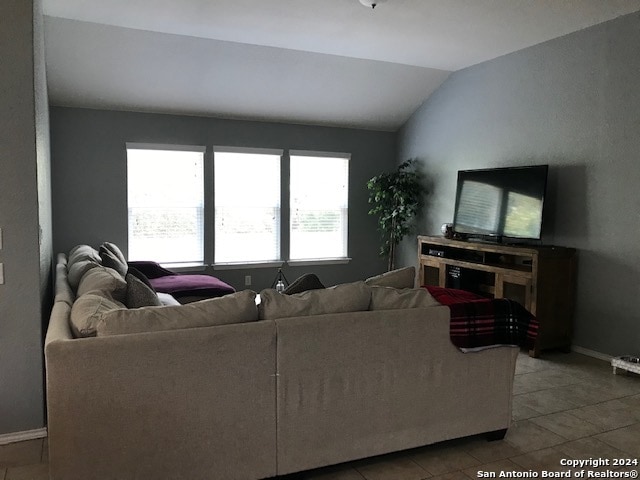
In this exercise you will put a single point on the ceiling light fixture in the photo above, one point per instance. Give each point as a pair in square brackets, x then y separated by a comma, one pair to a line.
[371, 3]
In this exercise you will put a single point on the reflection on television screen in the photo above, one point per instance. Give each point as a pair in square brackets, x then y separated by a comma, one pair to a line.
[501, 202]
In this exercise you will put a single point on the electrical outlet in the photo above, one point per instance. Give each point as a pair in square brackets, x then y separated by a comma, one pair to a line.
[247, 280]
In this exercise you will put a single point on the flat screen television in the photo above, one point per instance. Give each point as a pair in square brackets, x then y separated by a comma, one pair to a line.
[495, 203]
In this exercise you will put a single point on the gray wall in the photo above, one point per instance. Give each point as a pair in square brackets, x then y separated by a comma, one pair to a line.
[90, 187]
[574, 103]
[25, 216]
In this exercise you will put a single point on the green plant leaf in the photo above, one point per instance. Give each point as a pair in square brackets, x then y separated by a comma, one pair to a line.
[395, 197]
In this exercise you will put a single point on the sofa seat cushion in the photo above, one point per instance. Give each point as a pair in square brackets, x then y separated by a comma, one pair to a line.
[399, 278]
[349, 297]
[238, 307]
[388, 298]
[191, 285]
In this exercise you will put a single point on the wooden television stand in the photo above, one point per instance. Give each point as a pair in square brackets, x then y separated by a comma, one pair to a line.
[541, 278]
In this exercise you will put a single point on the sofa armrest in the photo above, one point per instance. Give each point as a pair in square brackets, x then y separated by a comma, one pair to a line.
[59, 329]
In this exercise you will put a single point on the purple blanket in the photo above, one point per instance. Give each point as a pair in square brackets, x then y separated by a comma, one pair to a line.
[181, 285]
[187, 285]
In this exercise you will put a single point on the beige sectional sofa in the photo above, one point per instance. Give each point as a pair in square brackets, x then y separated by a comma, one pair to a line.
[302, 381]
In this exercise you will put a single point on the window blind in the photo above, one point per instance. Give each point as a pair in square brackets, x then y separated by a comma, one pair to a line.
[165, 200]
[247, 206]
[319, 206]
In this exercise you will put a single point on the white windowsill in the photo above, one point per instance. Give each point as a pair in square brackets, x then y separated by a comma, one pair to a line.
[185, 267]
[245, 265]
[319, 261]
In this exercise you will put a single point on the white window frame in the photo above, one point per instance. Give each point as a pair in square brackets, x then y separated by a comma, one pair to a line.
[344, 215]
[173, 263]
[221, 263]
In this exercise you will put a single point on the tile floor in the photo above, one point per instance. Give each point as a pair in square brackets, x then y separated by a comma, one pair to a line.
[565, 406]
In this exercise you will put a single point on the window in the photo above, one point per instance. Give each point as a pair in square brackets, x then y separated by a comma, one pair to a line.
[165, 197]
[319, 198]
[247, 205]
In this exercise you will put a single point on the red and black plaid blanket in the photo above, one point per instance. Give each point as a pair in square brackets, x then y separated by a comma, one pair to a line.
[482, 322]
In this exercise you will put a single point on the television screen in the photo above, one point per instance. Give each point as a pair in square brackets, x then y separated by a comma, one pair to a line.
[501, 202]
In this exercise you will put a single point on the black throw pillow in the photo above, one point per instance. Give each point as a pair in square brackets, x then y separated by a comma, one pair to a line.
[140, 276]
[112, 257]
[308, 281]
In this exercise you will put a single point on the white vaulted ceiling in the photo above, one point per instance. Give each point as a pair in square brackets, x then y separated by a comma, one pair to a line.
[322, 62]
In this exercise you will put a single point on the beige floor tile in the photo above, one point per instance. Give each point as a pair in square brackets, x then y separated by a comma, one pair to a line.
[567, 425]
[573, 358]
[527, 436]
[545, 459]
[524, 384]
[438, 461]
[453, 476]
[577, 364]
[542, 380]
[341, 472]
[583, 394]
[487, 452]
[589, 447]
[632, 405]
[21, 453]
[526, 364]
[555, 378]
[620, 385]
[396, 467]
[523, 368]
[494, 467]
[520, 411]
[607, 415]
[626, 439]
[630, 468]
[38, 471]
[545, 402]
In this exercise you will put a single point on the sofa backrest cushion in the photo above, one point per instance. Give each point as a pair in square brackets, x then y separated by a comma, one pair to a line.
[400, 278]
[82, 252]
[77, 270]
[112, 257]
[139, 294]
[348, 297]
[388, 298]
[87, 311]
[103, 280]
[239, 307]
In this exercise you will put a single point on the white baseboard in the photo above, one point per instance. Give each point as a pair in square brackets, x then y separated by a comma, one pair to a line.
[591, 353]
[6, 438]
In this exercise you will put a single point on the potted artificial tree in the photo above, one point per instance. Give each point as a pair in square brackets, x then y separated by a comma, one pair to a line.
[395, 198]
